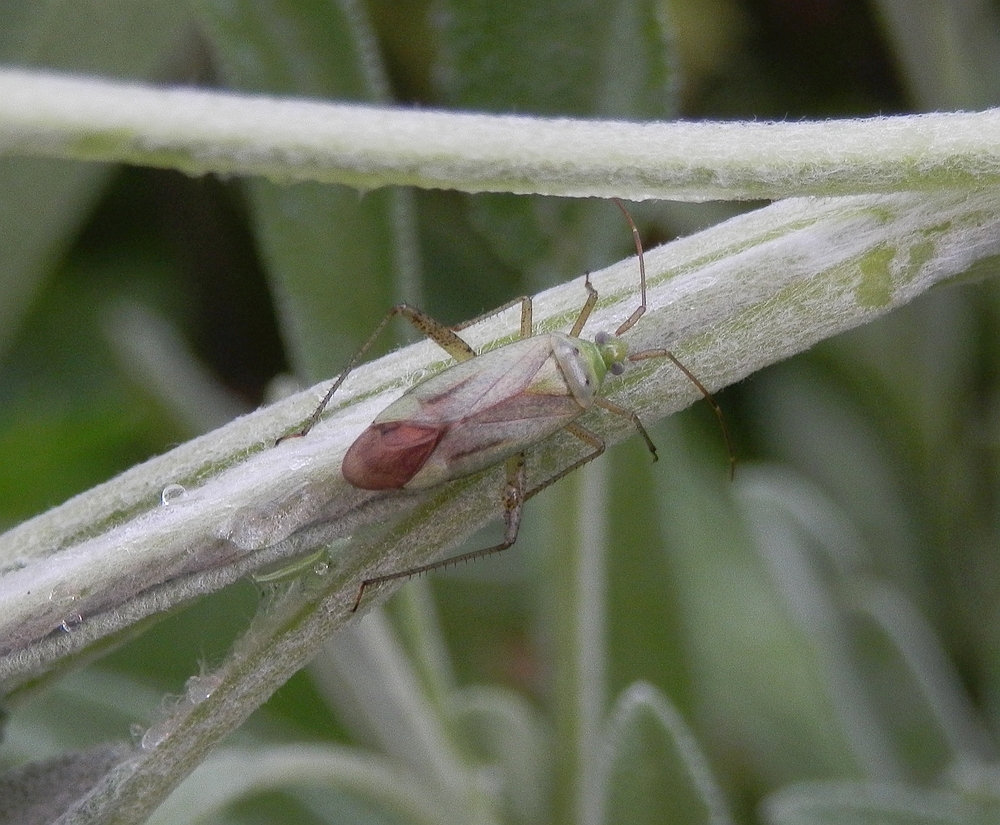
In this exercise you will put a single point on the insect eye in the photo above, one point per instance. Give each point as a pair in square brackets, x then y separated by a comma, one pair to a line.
[617, 369]
[602, 338]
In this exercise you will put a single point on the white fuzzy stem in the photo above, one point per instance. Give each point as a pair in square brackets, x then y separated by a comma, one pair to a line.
[201, 131]
[728, 300]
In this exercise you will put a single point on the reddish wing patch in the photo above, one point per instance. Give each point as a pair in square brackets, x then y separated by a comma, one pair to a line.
[387, 455]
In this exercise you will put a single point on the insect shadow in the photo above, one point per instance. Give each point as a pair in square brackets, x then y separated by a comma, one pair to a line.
[493, 407]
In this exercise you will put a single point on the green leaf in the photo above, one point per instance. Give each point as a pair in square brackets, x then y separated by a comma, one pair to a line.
[367, 676]
[612, 59]
[947, 58]
[569, 57]
[654, 771]
[916, 688]
[899, 700]
[309, 48]
[572, 610]
[646, 625]
[760, 678]
[329, 255]
[45, 202]
[855, 803]
[508, 738]
[333, 256]
[343, 784]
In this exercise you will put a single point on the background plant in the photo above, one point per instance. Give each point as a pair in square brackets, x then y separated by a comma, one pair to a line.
[828, 617]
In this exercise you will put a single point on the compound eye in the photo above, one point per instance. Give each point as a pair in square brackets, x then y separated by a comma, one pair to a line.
[602, 338]
[617, 369]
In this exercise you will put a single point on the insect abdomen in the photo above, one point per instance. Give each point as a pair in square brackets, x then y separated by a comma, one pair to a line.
[387, 455]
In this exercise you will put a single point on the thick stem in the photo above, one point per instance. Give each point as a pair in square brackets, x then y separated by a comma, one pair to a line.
[727, 301]
[200, 131]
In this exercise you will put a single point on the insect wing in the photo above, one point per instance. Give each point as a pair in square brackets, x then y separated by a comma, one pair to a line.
[467, 418]
[516, 398]
[386, 456]
[474, 386]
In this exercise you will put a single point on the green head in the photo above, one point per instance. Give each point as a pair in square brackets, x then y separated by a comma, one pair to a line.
[613, 350]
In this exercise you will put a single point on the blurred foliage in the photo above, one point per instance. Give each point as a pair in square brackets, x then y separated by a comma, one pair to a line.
[831, 616]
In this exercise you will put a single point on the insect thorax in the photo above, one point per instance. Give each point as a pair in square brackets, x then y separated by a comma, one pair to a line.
[583, 366]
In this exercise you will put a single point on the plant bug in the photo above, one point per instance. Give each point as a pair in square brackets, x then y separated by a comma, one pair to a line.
[493, 407]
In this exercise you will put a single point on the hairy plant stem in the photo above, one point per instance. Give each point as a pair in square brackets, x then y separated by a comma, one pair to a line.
[199, 131]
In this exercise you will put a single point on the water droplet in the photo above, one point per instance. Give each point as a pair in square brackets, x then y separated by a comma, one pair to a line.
[199, 688]
[63, 595]
[285, 571]
[172, 493]
[71, 622]
[136, 732]
[156, 734]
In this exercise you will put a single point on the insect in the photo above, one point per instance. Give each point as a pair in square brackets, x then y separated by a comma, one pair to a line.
[491, 408]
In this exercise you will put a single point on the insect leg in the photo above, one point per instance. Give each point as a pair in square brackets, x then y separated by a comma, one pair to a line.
[641, 309]
[588, 307]
[663, 353]
[585, 436]
[513, 503]
[441, 335]
[659, 353]
[524, 301]
[611, 407]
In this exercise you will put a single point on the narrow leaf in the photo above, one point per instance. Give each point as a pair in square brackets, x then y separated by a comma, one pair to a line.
[654, 771]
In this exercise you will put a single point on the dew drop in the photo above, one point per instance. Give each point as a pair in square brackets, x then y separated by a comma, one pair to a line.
[156, 734]
[200, 688]
[172, 493]
[136, 732]
[321, 568]
[70, 622]
[63, 595]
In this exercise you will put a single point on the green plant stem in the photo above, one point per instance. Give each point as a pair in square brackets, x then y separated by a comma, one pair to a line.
[200, 131]
[575, 621]
[728, 301]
